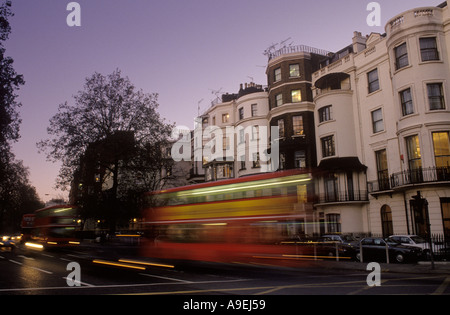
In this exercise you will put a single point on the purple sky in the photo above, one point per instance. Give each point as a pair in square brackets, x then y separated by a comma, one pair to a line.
[181, 49]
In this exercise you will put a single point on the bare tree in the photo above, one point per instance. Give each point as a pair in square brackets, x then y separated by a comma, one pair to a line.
[119, 124]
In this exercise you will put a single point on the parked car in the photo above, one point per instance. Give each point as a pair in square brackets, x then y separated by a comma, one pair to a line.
[342, 238]
[413, 241]
[347, 245]
[374, 249]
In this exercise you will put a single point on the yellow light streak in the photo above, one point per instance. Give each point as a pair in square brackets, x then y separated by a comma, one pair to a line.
[33, 245]
[145, 263]
[111, 263]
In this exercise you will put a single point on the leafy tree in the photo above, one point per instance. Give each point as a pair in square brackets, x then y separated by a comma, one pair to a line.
[116, 127]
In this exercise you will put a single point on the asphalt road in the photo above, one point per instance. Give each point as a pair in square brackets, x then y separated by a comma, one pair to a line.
[47, 273]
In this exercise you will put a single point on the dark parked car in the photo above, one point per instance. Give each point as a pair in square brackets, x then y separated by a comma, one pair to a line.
[346, 245]
[374, 249]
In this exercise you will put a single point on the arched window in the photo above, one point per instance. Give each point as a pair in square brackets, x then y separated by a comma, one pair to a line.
[386, 221]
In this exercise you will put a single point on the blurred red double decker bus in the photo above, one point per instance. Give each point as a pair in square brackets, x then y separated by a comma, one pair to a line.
[54, 226]
[229, 220]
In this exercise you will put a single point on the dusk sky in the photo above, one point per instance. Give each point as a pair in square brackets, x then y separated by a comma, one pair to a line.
[181, 49]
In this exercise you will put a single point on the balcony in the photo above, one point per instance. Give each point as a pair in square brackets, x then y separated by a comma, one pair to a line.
[342, 197]
[412, 177]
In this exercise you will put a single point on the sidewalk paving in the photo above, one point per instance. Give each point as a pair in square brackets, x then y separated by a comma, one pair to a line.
[422, 267]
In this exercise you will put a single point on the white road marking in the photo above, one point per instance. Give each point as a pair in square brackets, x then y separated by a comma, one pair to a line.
[118, 286]
[165, 278]
[80, 282]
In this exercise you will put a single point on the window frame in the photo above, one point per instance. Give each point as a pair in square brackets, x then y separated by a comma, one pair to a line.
[277, 75]
[427, 50]
[373, 85]
[328, 145]
[298, 99]
[399, 59]
[295, 71]
[406, 104]
[325, 113]
[375, 123]
[432, 98]
[298, 125]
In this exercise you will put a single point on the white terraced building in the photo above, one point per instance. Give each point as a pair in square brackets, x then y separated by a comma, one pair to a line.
[373, 120]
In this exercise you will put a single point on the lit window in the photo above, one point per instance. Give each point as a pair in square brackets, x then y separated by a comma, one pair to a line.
[225, 118]
[296, 96]
[297, 124]
[414, 155]
[441, 149]
[294, 71]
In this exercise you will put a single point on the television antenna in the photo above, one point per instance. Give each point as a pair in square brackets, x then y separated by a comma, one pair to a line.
[283, 43]
[198, 107]
[217, 93]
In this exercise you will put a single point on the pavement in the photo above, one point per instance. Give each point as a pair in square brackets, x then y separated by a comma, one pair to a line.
[422, 267]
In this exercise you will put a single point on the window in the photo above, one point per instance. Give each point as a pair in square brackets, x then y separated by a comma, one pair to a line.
[255, 132]
[282, 165]
[254, 110]
[414, 155]
[296, 96]
[256, 160]
[386, 221]
[441, 144]
[300, 159]
[297, 124]
[407, 103]
[242, 164]
[331, 188]
[225, 118]
[294, 70]
[428, 49]
[377, 121]
[279, 99]
[241, 136]
[382, 170]
[436, 96]
[374, 83]
[328, 148]
[241, 113]
[401, 56]
[334, 223]
[445, 206]
[325, 114]
[281, 128]
[277, 74]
